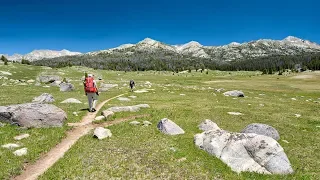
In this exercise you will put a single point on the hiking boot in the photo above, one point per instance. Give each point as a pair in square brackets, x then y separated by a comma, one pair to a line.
[93, 110]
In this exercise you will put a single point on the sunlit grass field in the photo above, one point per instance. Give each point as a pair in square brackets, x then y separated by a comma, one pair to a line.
[139, 152]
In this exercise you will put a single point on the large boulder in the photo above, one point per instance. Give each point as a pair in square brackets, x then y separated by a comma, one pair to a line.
[234, 93]
[44, 98]
[49, 78]
[33, 115]
[66, 87]
[262, 129]
[245, 152]
[167, 126]
[105, 87]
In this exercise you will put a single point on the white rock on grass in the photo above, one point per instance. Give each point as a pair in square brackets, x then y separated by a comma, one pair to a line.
[235, 113]
[134, 123]
[22, 136]
[10, 146]
[297, 115]
[146, 123]
[2, 125]
[30, 81]
[123, 99]
[245, 152]
[182, 94]
[107, 113]
[99, 118]
[128, 108]
[102, 133]
[141, 91]
[234, 93]
[294, 99]
[44, 98]
[21, 152]
[64, 87]
[133, 97]
[75, 113]
[167, 126]
[5, 73]
[207, 125]
[71, 100]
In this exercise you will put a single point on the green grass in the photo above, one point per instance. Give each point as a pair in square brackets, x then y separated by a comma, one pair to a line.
[137, 152]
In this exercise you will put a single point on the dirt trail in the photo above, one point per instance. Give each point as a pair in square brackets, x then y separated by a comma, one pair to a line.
[32, 171]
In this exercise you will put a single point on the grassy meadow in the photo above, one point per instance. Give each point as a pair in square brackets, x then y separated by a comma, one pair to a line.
[140, 152]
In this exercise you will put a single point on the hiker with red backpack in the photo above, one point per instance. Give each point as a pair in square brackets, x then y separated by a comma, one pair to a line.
[91, 90]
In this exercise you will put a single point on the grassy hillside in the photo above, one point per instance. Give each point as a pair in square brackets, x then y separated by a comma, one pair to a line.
[137, 152]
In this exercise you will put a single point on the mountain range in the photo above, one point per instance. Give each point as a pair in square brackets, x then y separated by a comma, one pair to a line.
[233, 51]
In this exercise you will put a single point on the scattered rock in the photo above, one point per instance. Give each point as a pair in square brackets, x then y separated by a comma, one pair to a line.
[30, 81]
[141, 91]
[262, 129]
[134, 123]
[133, 97]
[102, 133]
[167, 126]
[146, 123]
[234, 93]
[262, 105]
[2, 125]
[75, 113]
[33, 115]
[71, 100]
[294, 99]
[64, 87]
[235, 113]
[245, 152]
[219, 90]
[182, 159]
[22, 136]
[106, 87]
[182, 94]
[207, 125]
[128, 108]
[99, 118]
[297, 115]
[173, 149]
[10, 146]
[55, 83]
[123, 99]
[5, 73]
[21, 152]
[107, 114]
[49, 78]
[44, 98]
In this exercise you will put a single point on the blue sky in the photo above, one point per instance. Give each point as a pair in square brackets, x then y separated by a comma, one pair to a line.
[84, 26]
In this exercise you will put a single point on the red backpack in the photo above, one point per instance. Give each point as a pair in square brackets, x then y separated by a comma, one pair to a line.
[89, 85]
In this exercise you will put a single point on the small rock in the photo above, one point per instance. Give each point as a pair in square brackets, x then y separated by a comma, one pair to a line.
[146, 123]
[262, 105]
[99, 118]
[294, 99]
[207, 125]
[30, 81]
[235, 113]
[2, 125]
[22, 136]
[10, 146]
[75, 113]
[44, 98]
[71, 100]
[167, 126]
[21, 152]
[102, 133]
[133, 97]
[134, 123]
[107, 114]
[235, 93]
[173, 149]
[123, 99]
[182, 94]
[141, 91]
[297, 115]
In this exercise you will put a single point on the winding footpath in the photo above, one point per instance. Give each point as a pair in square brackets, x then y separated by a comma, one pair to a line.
[33, 171]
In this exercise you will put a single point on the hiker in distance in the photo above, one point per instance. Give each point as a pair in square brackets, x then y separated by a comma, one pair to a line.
[131, 85]
[91, 90]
